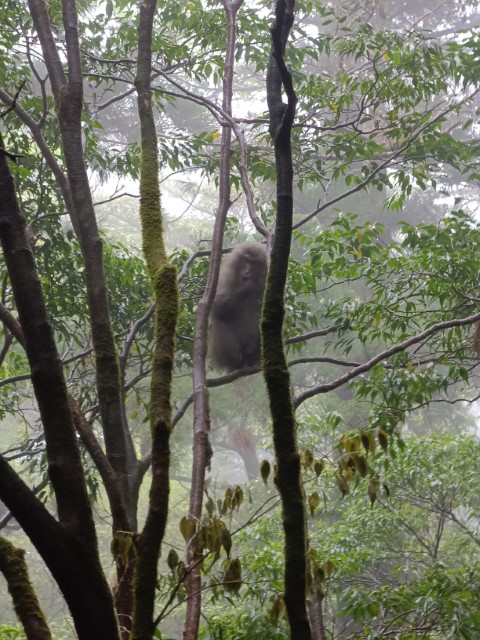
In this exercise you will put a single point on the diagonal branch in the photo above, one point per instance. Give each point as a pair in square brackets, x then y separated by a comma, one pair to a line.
[361, 185]
[384, 355]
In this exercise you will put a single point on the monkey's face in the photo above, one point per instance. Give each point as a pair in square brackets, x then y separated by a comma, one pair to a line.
[252, 269]
[247, 270]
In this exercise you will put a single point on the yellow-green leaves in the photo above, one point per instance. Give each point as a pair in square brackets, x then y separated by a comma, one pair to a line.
[232, 500]
[278, 608]
[307, 459]
[383, 440]
[368, 441]
[232, 578]
[317, 573]
[265, 469]
[122, 545]
[318, 467]
[313, 502]
[226, 540]
[172, 559]
[210, 506]
[353, 464]
[187, 528]
[373, 490]
[342, 484]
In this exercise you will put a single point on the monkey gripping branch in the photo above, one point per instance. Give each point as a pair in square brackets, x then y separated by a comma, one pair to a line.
[275, 367]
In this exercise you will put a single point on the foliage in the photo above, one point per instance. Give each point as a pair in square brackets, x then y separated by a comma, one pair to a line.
[11, 633]
[414, 538]
[385, 248]
[241, 627]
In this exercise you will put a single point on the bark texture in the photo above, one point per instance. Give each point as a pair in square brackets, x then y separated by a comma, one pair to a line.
[202, 451]
[68, 94]
[69, 547]
[288, 477]
[163, 277]
[25, 601]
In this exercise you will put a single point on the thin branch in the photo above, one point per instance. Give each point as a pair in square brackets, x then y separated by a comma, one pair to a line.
[13, 103]
[326, 360]
[311, 334]
[384, 355]
[132, 334]
[383, 165]
[224, 118]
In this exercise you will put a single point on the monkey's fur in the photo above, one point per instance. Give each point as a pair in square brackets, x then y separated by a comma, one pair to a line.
[233, 328]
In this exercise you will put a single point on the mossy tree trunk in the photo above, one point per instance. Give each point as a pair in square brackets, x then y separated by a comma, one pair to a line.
[163, 277]
[25, 601]
[288, 477]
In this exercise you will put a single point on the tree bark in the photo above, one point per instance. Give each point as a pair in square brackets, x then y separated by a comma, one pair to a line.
[288, 477]
[25, 601]
[164, 280]
[315, 610]
[202, 451]
[68, 94]
[69, 548]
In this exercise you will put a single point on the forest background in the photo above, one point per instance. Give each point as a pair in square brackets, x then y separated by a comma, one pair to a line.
[339, 499]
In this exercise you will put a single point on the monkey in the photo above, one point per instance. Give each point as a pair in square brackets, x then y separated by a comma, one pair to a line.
[233, 328]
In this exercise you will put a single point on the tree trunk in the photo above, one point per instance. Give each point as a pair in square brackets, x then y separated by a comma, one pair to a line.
[202, 451]
[25, 601]
[164, 281]
[69, 548]
[288, 477]
[68, 93]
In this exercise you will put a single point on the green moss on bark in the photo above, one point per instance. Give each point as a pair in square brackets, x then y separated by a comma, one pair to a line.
[25, 601]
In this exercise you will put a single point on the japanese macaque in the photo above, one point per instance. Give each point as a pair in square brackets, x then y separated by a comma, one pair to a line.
[233, 328]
